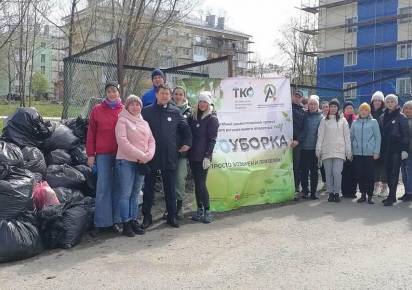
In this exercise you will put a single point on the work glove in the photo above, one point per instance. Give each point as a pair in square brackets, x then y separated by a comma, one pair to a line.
[206, 163]
[404, 155]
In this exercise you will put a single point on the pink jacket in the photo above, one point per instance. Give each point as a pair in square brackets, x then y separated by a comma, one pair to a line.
[134, 138]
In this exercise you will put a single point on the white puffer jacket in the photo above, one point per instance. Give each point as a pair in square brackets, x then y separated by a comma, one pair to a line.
[334, 139]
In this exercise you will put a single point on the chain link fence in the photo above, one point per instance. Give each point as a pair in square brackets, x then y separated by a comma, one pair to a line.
[86, 73]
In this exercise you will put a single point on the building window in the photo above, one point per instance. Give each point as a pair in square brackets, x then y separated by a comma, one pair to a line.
[351, 58]
[403, 86]
[43, 58]
[43, 69]
[405, 14]
[43, 44]
[351, 21]
[404, 51]
[350, 90]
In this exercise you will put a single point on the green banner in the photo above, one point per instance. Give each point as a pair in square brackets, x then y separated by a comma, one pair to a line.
[252, 160]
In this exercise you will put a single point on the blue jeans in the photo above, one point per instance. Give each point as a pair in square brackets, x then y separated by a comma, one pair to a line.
[407, 175]
[129, 182]
[103, 215]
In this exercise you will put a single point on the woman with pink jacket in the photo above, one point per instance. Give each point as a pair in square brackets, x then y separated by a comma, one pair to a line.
[136, 147]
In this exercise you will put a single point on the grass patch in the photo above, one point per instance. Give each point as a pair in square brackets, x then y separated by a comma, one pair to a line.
[44, 108]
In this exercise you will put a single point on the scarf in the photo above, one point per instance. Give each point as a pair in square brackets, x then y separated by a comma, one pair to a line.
[114, 105]
[350, 118]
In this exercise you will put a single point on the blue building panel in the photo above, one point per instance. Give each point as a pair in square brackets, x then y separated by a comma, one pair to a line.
[376, 68]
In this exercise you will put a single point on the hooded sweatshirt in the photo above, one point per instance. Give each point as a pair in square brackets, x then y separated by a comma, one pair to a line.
[134, 138]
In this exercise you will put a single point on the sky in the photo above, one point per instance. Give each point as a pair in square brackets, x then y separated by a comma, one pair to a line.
[260, 18]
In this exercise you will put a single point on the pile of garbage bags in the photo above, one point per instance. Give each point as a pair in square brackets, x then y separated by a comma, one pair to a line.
[46, 188]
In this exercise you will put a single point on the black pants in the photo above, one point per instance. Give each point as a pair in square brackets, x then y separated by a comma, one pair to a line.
[365, 173]
[296, 166]
[201, 192]
[349, 183]
[392, 166]
[169, 187]
[309, 165]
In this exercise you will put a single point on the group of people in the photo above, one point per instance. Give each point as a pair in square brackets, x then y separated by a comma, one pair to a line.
[366, 150]
[132, 144]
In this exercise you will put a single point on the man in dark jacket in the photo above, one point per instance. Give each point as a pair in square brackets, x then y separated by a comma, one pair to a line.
[298, 117]
[168, 127]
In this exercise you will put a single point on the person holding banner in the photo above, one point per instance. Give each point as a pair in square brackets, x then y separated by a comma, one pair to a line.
[298, 115]
[309, 161]
[168, 127]
[204, 125]
[333, 147]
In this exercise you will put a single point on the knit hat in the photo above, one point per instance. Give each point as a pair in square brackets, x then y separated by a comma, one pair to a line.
[334, 102]
[347, 104]
[393, 97]
[131, 99]
[205, 97]
[365, 106]
[112, 84]
[299, 93]
[378, 96]
[314, 98]
[158, 72]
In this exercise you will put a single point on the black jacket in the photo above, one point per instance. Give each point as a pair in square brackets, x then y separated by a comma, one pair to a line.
[204, 131]
[170, 130]
[394, 133]
[298, 122]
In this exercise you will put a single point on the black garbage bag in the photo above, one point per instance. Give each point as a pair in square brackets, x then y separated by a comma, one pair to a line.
[37, 177]
[62, 226]
[89, 187]
[16, 188]
[11, 154]
[64, 176]
[65, 195]
[34, 160]
[79, 127]
[26, 128]
[79, 156]
[61, 138]
[58, 157]
[19, 239]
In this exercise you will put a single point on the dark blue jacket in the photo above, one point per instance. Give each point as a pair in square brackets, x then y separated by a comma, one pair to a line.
[394, 133]
[311, 123]
[170, 130]
[149, 97]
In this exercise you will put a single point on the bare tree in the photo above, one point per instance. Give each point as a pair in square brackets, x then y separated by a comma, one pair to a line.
[295, 46]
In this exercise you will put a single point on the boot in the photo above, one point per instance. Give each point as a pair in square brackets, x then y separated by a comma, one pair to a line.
[363, 198]
[388, 202]
[198, 215]
[313, 196]
[389, 199]
[207, 217]
[331, 197]
[137, 228]
[336, 197]
[128, 230]
[370, 201]
[406, 197]
[173, 222]
[179, 214]
[147, 222]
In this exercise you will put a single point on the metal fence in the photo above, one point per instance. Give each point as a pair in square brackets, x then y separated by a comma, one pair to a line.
[86, 73]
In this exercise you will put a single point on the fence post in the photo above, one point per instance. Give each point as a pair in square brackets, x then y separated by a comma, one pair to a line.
[66, 89]
[230, 66]
[120, 66]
